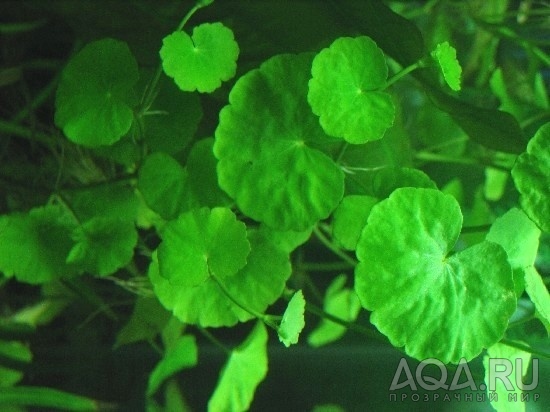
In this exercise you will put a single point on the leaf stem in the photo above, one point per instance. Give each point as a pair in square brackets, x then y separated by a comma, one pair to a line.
[525, 348]
[475, 229]
[325, 266]
[214, 340]
[333, 248]
[25, 133]
[436, 157]
[399, 75]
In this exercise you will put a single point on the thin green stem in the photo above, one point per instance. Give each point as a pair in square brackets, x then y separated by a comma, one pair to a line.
[440, 158]
[25, 133]
[214, 340]
[38, 100]
[475, 229]
[399, 75]
[341, 152]
[525, 348]
[325, 266]
[241, 305]
[333, 248]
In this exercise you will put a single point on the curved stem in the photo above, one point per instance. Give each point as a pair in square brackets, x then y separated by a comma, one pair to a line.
[399, 75]
[333, 248]
[525, 348]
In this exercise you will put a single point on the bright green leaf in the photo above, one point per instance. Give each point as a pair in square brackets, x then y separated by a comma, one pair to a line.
[48, 399]
[349, 219]
[293, 320]
[147, 320]
[346, 90]
[268, 157]
[183, 354]
[172, 120]
[103, 245]
[538, 292]
[94, 99]
[501, 360]
[519, 237]
[531, 175]
[162, 182]
[203, 179]
[34, 245]
[340, 302]
[445, 56]
[19, 353]
[259, 284]
[243, 372]
[436, 303]
[202, 243]
[286, 240]
[201, 61]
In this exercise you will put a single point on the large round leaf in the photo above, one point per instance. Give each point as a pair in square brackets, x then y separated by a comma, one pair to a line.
[531, 175]
[257, 285]
[202, 243]
[346, 90]
[266, 143]
[436, 303]
[94, 99]
[201, 61]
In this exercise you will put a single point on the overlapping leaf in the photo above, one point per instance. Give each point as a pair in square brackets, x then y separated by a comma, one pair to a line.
[435, 303]
[531, 175]
[201, 61]
[94, 99]
[349, 219]
[257, 285]
[18, 352]
[346, 90]
[243, 372]
[340, 302]
[200, 244]
[519, 237]
[34, 245]
[445, 56]
[163, 183]
[266, 143]
[538, 292]
[293, 320]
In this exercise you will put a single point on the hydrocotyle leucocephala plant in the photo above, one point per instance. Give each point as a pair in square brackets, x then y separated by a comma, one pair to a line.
[309, 149]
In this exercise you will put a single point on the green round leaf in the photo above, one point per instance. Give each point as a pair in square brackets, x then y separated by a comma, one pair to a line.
[531, 175]
[103, 245]
[293, 320]
[202, 243]
[445, 56]
[34, 245]
[346, 90]
[200, 62]
[266, 143]
[436, 303]
[257, 285]
[162, 182]
[94, 99]
[349, 219]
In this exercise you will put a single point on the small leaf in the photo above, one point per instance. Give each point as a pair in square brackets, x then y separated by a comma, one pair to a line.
[436, 303]
[183, 354]
[162, 182]
[200, 62]
[147, 320]
[94, 99]
[387, 179]
[531, 175]
[271, 159]
[243, 372]
[346, 90]
[34, 245]
[259, 284]
[445, 55]
[202, 243]
[519, 237]
[293, 320]
[349, 219]
[498, 359]
[340, 302]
